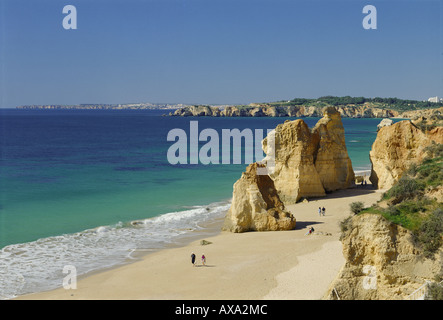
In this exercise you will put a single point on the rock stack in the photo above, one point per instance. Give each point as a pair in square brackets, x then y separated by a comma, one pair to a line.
[303, 163]
[256, 205]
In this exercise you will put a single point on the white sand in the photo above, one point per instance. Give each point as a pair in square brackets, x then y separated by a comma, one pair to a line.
[310, 278]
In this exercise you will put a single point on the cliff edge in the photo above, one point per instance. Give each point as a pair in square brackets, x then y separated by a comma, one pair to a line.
[265, 110]
[382, 262]
[398, 146]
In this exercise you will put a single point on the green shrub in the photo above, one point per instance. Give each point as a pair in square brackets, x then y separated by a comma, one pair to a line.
[345, 225]
[405, 188]
[412, 170]
[415, 205]
[429, 235]
[424, 172]
[392, 211]
[356, 207]
[435, 292]
[435, 150]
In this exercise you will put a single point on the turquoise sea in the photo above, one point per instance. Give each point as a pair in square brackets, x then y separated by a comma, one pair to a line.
[73, 182]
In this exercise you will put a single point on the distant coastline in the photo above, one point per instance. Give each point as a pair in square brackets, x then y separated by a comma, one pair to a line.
[355, 107]
[93, 106]
[365, 111]
[348, 107]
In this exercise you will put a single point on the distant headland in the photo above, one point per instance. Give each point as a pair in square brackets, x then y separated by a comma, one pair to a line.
[349, 107]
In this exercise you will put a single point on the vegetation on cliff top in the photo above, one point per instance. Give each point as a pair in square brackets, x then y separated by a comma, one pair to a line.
[410, 202]
[377, 102]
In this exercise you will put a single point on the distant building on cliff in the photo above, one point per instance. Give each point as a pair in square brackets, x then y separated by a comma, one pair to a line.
[435, 99]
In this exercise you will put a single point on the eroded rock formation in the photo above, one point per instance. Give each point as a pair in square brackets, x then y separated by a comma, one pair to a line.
[308, 162]
[293, 167]
[256, 205]
[332, 161]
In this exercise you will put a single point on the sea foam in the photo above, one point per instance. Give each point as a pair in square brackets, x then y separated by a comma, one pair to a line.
[38, 265]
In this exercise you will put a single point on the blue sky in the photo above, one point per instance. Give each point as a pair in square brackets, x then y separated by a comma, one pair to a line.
[217, 51]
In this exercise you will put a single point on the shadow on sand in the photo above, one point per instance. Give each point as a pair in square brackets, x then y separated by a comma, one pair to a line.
[351, 192]
[204, 266]
[304, 224]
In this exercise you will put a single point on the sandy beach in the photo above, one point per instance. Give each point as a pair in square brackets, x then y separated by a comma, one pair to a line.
[253, 265]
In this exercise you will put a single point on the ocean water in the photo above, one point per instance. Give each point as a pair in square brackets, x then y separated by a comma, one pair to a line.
[90, 188]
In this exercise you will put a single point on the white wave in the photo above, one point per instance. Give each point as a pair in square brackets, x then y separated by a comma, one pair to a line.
[362, 171]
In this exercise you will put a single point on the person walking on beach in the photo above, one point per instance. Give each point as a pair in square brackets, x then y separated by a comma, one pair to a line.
[323, 211]
[193, 259]
[203, 259]
[319, 211]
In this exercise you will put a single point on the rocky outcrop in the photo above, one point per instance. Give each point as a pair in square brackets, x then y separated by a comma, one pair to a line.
[332, 161]
[307, 163]
[428, 113]
[396, 148]
[382, 262]
[366, 112]
[384, 123]
[198, 111]
[256, 205]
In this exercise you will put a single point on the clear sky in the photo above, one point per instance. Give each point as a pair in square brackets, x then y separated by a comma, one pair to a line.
[217, 51]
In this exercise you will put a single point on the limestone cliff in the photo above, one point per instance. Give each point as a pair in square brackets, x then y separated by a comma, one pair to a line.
[256, 205]
[308, 162]
[428, 113]
[382, 262]
[199, 111]
[396, 148]
[266, 110]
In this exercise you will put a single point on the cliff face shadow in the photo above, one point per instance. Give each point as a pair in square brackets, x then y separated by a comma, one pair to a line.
[350, 192]
[304, 224]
